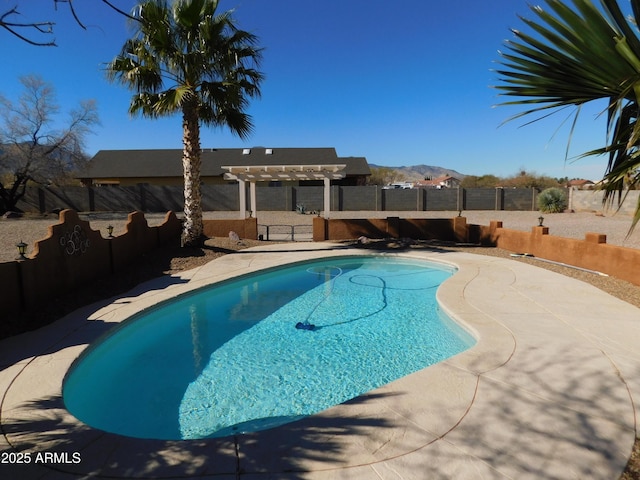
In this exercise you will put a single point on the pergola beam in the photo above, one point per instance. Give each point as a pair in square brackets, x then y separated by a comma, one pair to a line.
[267, 173]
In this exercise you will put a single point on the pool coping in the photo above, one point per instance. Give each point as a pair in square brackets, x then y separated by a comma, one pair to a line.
[549, 391]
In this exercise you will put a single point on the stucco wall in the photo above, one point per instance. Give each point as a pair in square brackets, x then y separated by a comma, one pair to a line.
[592, 253]
[247, 228]
[72, 255]
[447, 229]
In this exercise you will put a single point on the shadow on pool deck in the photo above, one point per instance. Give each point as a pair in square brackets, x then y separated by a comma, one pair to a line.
[48, 339]
[509, 429]
[114, 456]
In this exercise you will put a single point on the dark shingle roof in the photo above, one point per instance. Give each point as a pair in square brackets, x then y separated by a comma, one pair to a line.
[168, 163]
[355, 165]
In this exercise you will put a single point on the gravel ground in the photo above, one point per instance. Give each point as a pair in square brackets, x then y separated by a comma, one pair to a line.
[570, 225]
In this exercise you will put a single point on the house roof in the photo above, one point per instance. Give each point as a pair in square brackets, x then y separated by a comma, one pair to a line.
[435, 182]
[579, 182]
[168, 163]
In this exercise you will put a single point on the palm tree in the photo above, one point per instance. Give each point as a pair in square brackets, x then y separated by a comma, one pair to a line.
[187, 58]
[578, 53]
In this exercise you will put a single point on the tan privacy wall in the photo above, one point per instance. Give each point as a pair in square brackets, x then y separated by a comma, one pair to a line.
[72, 255]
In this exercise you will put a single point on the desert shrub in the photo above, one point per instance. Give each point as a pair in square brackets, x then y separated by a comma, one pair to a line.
[552, 200]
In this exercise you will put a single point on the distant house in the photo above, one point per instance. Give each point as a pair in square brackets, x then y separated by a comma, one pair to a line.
[581, 184]
[164, 167]
[440, 182]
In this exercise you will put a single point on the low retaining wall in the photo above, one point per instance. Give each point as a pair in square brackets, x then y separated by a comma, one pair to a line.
[454, 229]
[247, 228]
[592, 253]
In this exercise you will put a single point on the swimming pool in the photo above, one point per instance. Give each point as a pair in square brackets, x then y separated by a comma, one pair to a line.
[229, 358]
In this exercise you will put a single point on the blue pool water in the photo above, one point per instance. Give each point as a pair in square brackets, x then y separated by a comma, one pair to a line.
[229, 359]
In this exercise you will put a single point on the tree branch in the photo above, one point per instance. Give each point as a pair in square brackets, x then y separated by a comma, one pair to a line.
[73, 11]
[47, 27]
[106, 2]
[121, 12]
[42, 27]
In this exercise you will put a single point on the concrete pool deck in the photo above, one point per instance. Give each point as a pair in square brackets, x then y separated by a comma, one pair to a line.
[551, 390]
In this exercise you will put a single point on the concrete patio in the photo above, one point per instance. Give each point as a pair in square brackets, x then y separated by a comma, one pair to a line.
[550, 391]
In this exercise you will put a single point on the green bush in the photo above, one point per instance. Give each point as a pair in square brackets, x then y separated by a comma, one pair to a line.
[552, 200]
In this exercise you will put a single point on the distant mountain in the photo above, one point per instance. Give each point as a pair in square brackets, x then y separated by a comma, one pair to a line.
[420, 172]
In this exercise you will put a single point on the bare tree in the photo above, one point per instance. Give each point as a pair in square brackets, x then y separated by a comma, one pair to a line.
[12, 22]
[32, 148]
[385, 176]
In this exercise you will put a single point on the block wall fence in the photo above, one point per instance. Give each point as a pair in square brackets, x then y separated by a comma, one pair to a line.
[158, 198]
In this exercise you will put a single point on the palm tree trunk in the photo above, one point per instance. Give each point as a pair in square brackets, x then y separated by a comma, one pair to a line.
[193, 228]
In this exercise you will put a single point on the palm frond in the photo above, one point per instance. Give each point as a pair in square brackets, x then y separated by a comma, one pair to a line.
[183, 49]
[579, 52]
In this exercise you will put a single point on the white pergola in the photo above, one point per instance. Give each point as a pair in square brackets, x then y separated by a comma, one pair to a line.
[269, 173]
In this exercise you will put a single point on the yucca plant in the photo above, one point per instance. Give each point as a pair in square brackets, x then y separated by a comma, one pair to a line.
[580, 52]
[552, 200]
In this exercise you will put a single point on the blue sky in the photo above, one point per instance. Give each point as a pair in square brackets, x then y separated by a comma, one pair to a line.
[400, 83]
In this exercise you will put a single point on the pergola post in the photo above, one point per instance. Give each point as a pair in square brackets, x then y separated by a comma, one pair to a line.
[243, 199]
[252, 196]
[327, 196]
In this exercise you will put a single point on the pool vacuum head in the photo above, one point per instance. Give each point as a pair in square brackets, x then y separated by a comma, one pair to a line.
[305, 326]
